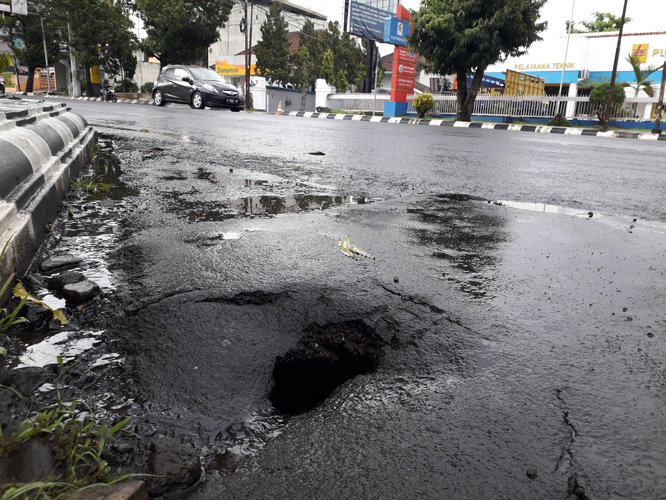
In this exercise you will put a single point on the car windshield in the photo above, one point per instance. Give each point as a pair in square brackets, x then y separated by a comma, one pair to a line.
[207, 75]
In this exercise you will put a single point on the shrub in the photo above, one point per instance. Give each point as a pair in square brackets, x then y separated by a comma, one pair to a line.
[599, 99]
[147, 88]
[559, 121]
[423, 103]
[126, 85]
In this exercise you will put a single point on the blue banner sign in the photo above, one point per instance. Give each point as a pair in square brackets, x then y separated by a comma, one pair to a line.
[367, 21]
[396, 31]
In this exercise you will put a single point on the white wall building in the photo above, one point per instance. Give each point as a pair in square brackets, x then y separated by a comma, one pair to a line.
[232, 39]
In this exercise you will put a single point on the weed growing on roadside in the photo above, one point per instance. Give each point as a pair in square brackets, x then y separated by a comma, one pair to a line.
[92, 186]
[77, 443]
[8, 318]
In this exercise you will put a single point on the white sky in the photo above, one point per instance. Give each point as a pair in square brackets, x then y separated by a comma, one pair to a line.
[647, 15]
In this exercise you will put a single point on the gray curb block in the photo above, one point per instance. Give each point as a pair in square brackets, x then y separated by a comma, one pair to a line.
[42, 148]
[543, 129]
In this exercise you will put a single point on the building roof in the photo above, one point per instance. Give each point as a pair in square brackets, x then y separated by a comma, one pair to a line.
[293, 37]
[297, 9]
[615, 34]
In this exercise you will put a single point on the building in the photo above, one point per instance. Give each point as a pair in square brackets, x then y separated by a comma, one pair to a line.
[589, 58]
[227, 52]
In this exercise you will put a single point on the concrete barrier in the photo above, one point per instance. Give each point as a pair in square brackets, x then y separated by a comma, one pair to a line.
[42, 148]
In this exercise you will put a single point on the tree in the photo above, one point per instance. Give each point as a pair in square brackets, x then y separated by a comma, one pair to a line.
[273, 49]
[343, 59]
[100, 34]
[599, 99]
[29, 29]
[642, 77]
[180, 31]
[464, 37]
[603, 21]
[307, 59]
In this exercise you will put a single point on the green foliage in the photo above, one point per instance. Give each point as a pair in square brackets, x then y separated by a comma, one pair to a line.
[559, 121]
[273, 49]
[8, 318]
[147, 88]
[423, 103]
[599, 99]
[464, 37]
[642, 77]
[127, 85]
[307, 59]
[603, 21]
[180, 31]
[78, 445]
[91, 186]
[343, 63]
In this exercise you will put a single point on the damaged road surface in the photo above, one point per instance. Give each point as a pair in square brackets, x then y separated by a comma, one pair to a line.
[491, 349]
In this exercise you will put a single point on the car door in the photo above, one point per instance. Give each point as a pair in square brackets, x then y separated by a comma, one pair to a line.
[182, 89]
[166, 84]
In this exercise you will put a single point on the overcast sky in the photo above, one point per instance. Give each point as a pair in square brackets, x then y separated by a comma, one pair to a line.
[647, 15]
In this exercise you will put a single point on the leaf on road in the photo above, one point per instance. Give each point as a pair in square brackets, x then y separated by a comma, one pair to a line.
[351, 250]
[21, 293]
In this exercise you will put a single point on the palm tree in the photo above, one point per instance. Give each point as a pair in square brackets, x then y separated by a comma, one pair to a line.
[642, 76]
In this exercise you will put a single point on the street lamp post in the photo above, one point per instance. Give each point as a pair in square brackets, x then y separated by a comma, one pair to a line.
[609, 103]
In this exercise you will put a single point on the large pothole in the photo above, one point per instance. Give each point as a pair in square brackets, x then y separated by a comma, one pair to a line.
[325, 358]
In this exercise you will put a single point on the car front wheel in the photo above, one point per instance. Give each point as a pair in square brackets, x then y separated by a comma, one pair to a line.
[198, 101]
[158, 97]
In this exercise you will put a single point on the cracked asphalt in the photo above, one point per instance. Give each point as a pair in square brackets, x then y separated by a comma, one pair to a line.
[524, 341]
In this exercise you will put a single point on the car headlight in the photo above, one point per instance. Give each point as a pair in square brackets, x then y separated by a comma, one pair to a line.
[229, 92]
[210, 88]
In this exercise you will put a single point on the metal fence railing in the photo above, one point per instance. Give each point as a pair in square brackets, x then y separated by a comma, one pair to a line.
[514, 106]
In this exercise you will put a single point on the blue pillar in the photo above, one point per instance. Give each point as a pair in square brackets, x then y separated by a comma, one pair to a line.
[394, 109]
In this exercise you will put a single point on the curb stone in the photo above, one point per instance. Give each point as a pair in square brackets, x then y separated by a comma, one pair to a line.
[542, 129]
[43, 147]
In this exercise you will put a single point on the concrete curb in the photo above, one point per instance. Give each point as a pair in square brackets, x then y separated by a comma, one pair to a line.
[543, 129]
[43, 147]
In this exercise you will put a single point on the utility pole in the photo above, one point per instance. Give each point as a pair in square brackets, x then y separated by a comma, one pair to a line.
[46, 58]
[660, 104]
[609, 103]
[247, 63]
[73, 68]
[566, 54]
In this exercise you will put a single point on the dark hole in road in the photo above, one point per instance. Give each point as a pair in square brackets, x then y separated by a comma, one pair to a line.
[325, 358]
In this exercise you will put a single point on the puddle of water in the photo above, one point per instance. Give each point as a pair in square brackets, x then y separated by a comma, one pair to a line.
[234, 448]
[260, 206]
[68, 345]
[545, 208]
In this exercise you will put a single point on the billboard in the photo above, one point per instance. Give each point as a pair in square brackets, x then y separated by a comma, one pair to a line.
[366, 18]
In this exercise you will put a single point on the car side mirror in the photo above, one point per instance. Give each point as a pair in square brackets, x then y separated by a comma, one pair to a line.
[187, 79]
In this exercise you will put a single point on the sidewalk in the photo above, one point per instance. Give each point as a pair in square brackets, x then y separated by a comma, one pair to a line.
[543, 129]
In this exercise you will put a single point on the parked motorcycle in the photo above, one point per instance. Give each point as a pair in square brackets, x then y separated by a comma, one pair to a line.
[108, 93]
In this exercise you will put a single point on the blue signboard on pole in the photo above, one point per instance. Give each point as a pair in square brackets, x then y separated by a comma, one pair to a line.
[396, 31]
[367, 21]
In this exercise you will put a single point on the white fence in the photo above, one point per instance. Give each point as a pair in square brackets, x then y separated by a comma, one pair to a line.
[516, 106]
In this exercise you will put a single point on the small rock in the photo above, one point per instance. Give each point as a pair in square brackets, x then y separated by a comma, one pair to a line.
[396, 279]
[178, 466]
[36, 315]
[34, 280]
[650, 335]
[590, 214]
[122, 447]
[531, 472]
[81, 292]
[67, 278]
[33, 460]
[62, 262]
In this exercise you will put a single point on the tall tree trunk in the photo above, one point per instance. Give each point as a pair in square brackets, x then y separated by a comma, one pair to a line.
[466, 103]
[461, 93]
[304, 95]
[30, 84]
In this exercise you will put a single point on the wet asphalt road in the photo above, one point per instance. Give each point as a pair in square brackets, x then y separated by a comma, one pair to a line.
[514, 338]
